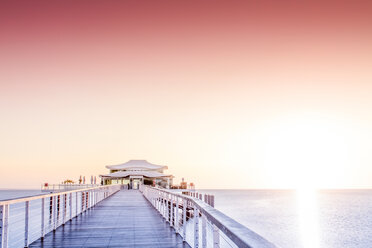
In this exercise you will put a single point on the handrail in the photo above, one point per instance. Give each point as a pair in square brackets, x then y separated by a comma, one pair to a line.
[237, 233]
[46, 213]
[65, 187]
[36, 197]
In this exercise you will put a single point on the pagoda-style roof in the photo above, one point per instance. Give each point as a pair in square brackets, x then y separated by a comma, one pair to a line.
[122, 174]
[136, 165]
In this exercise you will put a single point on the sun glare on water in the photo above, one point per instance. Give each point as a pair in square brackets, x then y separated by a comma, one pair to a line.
[307, 154]
[307, 206]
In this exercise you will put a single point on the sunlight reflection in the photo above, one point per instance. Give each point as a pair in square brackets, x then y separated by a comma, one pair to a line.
[308, 217]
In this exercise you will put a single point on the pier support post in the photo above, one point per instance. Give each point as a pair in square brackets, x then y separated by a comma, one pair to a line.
[27, 214]
[4, 223]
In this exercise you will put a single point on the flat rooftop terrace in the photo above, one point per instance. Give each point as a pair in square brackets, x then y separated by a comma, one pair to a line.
[126, 219]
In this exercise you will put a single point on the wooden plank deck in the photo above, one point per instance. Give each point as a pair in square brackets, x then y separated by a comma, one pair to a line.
[126, 219]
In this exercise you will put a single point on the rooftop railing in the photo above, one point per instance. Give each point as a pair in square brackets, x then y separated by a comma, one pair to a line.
[25, 220]
[200, 224]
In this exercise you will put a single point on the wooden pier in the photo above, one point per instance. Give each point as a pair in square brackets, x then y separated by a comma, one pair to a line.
[110, 216]
[126, 219]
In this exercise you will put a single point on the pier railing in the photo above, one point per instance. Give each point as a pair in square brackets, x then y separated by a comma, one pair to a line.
[25, 220]
[65, 187]
[200, 224]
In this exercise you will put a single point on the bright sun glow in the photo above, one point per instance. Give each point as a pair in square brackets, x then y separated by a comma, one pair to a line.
[306, 153]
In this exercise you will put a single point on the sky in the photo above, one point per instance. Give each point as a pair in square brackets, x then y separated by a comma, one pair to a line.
[228, 94]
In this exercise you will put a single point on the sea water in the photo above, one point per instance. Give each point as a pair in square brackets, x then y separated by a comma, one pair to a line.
[331, 219]
[7, 194]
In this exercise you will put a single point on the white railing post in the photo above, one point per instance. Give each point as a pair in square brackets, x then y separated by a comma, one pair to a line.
[86, 201]
[177, 222]
[89, 194]
[159, 203]
[77, 203]
[27, 215]
[156, 201]
[63, 206]
[54, 210]
[184, 208]
[42, 218]
[196, 227]
[154, 198]
[171, 210]
[82, 201]
[70, 205]
[204, 231]
[166, 208]
[90, 199]
[162, 204]
[216, 237]
[4, 224]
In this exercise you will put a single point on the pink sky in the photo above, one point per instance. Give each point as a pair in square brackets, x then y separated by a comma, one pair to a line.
[210, 88]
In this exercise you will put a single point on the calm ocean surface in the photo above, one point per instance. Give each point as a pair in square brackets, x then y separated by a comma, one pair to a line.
[331, 219]
[16, 193]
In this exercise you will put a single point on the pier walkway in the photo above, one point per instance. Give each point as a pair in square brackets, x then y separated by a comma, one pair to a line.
[125, 219]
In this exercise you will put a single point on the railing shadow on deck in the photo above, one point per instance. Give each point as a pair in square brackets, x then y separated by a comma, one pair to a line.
[45, 213]
[215, 228]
